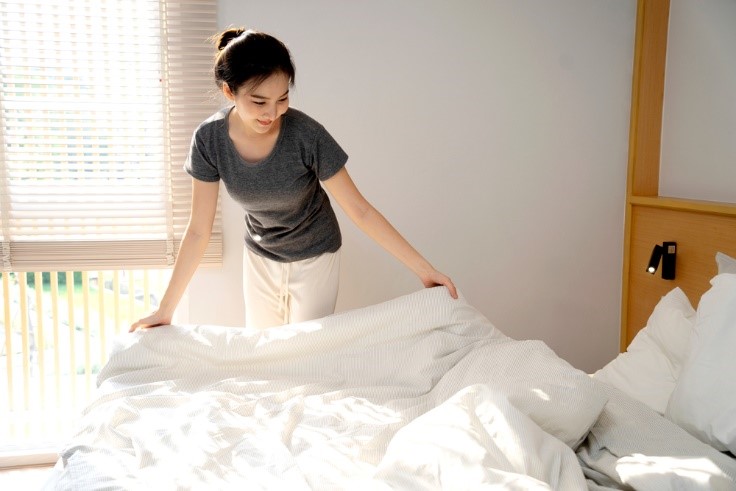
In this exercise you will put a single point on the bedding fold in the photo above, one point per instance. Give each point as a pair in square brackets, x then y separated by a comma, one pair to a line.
[422, 389]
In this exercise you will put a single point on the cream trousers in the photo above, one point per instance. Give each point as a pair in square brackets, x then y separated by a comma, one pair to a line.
[284, 293]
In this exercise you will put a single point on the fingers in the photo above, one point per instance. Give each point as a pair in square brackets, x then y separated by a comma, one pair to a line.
[447, 282]
[451, 287]
[439, 279]
[139, 324]
[146, 322]
[143, 326]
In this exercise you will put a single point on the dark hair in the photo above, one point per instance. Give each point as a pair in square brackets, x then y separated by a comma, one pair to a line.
[250, 57]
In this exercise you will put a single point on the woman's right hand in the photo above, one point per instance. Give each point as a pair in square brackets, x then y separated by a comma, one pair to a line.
[156, 319]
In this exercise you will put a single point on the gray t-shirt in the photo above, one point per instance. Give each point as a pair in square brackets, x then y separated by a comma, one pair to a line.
[288, 216]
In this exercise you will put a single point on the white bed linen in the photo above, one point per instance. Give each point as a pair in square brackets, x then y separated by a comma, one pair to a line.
[420, 392]
[704, 399]
[649, 368]
[421, 388]
[633, 445]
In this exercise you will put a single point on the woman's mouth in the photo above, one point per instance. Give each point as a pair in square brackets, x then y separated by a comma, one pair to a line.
[264, 123]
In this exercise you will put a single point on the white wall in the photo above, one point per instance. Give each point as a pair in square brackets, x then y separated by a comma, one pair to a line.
[492, 134]
[698, 159]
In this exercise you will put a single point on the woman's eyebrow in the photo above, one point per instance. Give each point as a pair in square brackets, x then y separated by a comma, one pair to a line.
[256, 96]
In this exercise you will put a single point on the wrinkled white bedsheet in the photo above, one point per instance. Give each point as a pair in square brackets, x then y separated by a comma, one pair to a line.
[631, 446]
[420, 392]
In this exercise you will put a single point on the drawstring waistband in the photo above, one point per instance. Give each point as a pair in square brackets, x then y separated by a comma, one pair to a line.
[284, 292]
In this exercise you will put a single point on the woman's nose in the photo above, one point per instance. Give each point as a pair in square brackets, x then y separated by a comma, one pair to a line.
[270, 112]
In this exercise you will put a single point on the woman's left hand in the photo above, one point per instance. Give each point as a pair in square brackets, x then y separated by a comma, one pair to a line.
[435, 278]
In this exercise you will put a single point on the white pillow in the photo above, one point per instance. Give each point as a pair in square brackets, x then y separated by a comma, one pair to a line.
[704, 399]
[726, 264]
[649, 368]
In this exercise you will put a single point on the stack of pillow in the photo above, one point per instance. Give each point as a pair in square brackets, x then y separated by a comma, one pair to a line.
[683, 363]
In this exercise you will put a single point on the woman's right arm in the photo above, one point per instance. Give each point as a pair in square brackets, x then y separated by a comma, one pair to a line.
[193, 245]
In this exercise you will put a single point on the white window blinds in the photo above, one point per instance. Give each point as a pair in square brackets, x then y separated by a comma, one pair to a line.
[98, 102]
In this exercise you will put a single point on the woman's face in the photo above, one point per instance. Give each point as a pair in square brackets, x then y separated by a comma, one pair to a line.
[260, 107]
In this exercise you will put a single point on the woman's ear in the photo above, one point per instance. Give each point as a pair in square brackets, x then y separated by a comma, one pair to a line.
[228, 93]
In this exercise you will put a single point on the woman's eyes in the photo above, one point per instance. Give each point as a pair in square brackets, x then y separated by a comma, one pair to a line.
[260, 103]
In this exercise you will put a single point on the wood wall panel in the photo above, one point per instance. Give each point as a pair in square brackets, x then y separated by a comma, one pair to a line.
[699, 235]
[648, 96]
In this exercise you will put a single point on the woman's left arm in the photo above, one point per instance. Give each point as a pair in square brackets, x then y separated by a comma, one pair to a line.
[369, 220]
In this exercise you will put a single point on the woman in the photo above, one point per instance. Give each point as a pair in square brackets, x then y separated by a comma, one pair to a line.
[276, 162]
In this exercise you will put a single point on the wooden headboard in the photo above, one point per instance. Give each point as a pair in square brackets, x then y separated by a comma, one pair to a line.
[700, 228]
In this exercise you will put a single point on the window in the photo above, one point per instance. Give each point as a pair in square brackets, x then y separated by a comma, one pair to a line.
[56, 332]
[98, 102]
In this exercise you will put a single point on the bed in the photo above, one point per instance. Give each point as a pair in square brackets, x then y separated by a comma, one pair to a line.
[420, 392]
[424, 392]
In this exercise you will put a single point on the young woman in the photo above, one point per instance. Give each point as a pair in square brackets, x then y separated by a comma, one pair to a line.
[276, 162]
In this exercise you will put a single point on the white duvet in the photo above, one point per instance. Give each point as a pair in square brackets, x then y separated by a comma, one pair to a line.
[420, 392]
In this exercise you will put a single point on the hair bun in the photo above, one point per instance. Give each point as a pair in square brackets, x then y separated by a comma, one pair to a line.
[226, 36]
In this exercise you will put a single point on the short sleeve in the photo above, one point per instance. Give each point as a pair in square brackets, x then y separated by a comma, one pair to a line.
[199, 163]
[327, 157]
